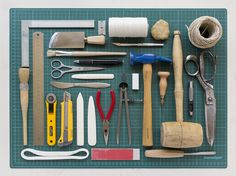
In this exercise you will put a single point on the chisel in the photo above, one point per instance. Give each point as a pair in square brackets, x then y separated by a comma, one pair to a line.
[74, 40]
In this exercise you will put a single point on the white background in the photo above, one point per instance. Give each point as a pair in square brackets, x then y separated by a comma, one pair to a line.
[5, 5]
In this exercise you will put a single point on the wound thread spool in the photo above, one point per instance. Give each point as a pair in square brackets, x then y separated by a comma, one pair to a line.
[128, 27]
[205, 32]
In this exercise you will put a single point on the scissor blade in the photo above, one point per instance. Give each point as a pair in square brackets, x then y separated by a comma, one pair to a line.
[91, 68]
[210, 118]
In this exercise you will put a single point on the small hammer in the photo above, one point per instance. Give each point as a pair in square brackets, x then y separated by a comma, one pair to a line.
[180, 134]
[147, 60]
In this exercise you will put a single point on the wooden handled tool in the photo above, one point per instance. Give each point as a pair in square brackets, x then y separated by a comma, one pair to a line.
[178, 70]
[180, 134]
[163, 84]
[164, 153]
[147, 105]
[24, 99]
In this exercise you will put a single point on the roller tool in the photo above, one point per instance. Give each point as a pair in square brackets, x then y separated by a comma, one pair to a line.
[51, 106]
[147, 60]
[105, 119]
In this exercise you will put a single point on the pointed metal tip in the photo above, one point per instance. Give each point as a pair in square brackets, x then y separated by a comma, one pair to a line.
[162, 101]
[106, 139]
[211, 142]
[117, 44]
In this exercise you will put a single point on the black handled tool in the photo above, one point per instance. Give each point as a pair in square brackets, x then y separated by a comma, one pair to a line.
[99, 61]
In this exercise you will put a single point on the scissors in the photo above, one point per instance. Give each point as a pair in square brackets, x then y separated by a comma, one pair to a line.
[210, 101]
[59, 69]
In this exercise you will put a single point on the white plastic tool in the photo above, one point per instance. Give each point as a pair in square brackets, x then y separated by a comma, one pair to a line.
[135, 81]
[80, 120]
[92, 131]
[93, 76]
[54, 155]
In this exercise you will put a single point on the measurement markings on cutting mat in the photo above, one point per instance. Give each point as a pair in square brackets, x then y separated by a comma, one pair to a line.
[38, 89]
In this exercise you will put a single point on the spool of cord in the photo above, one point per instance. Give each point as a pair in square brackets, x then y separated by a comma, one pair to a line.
[205, 32]
[128, 27]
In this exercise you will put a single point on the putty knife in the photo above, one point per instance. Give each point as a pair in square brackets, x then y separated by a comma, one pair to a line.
[74, 40]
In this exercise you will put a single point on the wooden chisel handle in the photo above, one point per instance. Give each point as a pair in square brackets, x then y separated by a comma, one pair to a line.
[96, 40]
[147, 105]
[178, 69]
[24, 99]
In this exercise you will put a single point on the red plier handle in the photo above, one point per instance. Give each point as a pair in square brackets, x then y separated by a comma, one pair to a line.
[112, 106]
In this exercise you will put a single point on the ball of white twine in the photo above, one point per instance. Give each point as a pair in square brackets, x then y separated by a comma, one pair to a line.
[205, 32]
[128, 27]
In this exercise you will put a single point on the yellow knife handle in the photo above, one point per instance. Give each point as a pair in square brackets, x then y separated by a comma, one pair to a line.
[69, 131]
[51, 120]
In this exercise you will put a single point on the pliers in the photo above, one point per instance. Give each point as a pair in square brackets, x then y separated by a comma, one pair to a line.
[106, 119]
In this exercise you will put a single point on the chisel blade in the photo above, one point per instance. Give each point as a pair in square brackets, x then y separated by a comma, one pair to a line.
[67, 40]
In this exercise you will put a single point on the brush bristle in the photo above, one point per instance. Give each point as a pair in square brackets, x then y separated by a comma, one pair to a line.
[51, 53]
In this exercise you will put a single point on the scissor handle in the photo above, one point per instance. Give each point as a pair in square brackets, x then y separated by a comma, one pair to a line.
[191, 58]
[56, 64]
[202, 68]
[57, 73]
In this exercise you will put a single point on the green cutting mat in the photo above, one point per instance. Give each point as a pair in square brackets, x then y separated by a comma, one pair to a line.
[177, 19]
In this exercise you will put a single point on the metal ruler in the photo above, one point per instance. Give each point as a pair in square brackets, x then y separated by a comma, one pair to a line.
[38, 89]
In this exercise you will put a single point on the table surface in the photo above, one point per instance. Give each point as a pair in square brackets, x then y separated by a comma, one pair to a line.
[5, 76]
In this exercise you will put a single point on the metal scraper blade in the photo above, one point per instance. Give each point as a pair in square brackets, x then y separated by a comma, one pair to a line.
[67, 40]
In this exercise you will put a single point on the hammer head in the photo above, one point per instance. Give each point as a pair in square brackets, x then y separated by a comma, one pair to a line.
[147, 58]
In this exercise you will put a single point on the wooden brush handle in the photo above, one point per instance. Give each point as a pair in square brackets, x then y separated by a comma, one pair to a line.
[147, 105]
[178, 69]
[96, 40]
[24, 99]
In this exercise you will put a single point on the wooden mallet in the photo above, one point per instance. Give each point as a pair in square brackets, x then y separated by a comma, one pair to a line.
[180, 134]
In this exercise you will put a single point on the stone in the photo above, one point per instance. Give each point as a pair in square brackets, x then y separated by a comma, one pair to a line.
[160, 30]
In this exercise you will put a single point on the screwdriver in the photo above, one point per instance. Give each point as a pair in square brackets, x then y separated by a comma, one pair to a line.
[99, 61]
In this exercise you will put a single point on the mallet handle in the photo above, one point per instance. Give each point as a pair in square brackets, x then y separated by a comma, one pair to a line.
[178, 69]
[147, 105]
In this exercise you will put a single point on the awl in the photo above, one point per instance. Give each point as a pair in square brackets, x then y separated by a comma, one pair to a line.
[168, 153]
[140, 44]
[74, 40]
